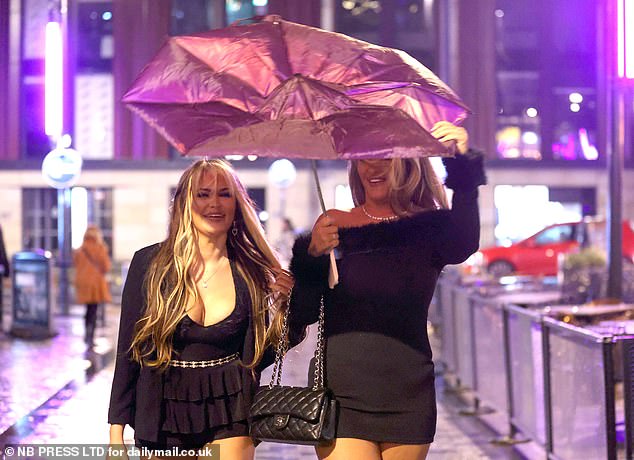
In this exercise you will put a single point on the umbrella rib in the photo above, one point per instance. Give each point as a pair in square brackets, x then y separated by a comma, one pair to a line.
[231, 75]
[303, 93]
[161, 130]
[349, 67]
[283, 41]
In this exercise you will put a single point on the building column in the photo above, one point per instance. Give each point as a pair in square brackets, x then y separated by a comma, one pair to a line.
[475, 70]
[140, 28]
[10, 61]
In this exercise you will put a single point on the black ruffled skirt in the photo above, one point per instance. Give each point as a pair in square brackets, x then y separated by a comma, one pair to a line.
[197, 400]
[201, 405]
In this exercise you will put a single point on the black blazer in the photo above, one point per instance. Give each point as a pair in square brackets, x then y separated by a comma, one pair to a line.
[137, 390]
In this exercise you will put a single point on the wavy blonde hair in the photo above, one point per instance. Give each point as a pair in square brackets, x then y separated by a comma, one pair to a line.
[414, 186]
[169, 284]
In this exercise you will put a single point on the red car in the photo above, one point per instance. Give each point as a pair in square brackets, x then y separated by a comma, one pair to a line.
[538, 254]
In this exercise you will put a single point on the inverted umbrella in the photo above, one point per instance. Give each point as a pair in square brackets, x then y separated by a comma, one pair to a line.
[275, 88]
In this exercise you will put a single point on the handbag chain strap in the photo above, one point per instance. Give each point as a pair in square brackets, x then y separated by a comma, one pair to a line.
[282, 348]
[318, 381]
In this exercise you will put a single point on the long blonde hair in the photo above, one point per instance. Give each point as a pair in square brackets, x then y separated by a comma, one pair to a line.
[169, 284]
[414, 186]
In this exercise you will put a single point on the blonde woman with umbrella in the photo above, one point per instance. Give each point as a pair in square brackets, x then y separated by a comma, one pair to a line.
[393, 245]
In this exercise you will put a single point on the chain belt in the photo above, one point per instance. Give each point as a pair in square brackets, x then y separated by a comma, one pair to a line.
[209, 363]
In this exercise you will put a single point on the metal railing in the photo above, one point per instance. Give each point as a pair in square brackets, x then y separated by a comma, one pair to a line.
[525, 372]
[555, 383]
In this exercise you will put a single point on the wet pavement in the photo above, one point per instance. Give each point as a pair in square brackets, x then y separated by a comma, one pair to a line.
[54, 392]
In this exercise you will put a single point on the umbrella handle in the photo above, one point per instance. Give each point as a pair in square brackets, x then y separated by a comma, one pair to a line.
[333, 273]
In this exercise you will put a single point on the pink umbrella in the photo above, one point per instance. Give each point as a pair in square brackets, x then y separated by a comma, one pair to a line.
[280, 89]
[275, 88]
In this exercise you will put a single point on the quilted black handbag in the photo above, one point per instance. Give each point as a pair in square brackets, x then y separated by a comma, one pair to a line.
[295, 415]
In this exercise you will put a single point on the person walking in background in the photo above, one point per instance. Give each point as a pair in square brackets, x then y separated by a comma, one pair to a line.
[194, 329]
[92, 263]
[393, 244]
[284, 243]
[5, 272]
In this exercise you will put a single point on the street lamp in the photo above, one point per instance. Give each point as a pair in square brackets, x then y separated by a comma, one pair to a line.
[621, 71]
[282, 174]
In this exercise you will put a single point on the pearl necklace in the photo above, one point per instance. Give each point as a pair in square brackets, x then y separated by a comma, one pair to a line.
[377, 218]
[204, 282]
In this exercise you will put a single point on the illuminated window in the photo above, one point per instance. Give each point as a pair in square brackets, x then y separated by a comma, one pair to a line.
[95, 44]
[192, 16]
[39, 215]
[574, 130]
[546, 102]
[408, 25]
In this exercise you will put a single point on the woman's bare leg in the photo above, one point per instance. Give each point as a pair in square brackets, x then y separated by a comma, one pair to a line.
[393, 451]
[236, 448]
[349, 449]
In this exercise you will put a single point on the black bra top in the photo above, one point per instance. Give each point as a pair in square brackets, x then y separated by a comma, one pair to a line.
[195, 342]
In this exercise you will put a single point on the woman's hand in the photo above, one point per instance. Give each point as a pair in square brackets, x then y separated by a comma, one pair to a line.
[447, 132]
[282, 283]
[324, 236]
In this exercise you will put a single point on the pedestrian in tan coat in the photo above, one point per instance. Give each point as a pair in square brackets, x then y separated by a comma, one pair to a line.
[92, 263]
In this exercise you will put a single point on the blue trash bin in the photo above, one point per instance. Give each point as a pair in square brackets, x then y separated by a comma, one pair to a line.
[32, 295]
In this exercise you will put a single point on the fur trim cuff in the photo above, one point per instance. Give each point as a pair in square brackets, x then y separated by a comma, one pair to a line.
[306, 269]
[465, 172]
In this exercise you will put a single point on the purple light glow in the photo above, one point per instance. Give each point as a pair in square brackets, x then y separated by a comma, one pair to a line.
[590, 152]
[565, 148]
[625, 38]
[575, 145]
[53, 81]
[629, 39]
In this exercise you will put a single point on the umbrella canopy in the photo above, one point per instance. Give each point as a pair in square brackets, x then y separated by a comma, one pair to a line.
[280, 89]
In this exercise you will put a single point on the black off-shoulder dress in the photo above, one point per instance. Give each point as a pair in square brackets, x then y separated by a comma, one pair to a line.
[378, 357]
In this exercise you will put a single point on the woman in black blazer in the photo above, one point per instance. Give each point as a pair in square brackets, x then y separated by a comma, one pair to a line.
[194, 322]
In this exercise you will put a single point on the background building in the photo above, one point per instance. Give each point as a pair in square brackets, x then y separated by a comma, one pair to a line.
[531, 70]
